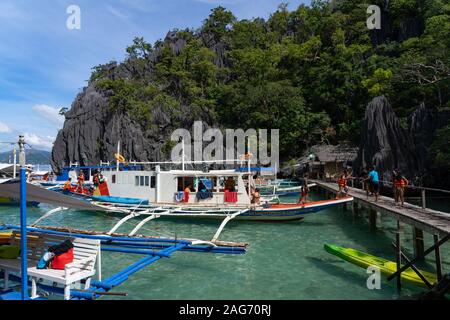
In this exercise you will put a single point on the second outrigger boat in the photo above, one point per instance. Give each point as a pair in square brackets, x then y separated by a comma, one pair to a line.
[162, 192]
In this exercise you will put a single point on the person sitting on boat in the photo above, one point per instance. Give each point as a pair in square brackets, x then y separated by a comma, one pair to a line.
[188, 188]
[230, 185]
[400, 182]
[97, 178]
[256, 197]
[68, 184]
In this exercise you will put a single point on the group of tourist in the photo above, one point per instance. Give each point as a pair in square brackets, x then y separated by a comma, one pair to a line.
[371, 184]
[97, 179]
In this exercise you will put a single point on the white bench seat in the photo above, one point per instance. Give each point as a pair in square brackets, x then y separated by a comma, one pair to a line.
[86, 252]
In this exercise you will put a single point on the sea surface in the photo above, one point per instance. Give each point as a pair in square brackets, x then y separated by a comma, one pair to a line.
[284, 260]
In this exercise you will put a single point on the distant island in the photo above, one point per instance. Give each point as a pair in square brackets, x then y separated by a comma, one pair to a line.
[34, 157]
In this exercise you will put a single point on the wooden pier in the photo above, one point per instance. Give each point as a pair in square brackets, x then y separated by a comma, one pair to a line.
[431, 221]
[421, 219]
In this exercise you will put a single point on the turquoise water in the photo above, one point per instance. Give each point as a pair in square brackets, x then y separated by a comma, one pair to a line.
[285, 260]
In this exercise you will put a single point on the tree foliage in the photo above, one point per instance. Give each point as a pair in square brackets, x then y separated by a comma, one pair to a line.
[309, 72]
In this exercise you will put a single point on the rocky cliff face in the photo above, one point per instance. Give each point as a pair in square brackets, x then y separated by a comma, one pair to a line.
[92, 129]
[385, 144]
[91, 133]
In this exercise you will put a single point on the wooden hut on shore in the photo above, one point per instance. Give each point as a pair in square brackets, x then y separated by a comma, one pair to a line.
[325, 161]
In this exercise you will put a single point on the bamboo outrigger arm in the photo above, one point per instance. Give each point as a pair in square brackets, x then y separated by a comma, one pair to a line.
[225, 221]
[48, 214]
[141, 224]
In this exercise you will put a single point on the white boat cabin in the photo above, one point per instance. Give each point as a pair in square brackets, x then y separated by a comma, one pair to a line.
[168, 187]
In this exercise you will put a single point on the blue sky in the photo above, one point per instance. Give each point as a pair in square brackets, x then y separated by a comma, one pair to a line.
[43, 64]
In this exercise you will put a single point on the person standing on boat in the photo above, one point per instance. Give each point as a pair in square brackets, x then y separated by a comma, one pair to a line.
[400, 182]
[374, 183]
[80, 182]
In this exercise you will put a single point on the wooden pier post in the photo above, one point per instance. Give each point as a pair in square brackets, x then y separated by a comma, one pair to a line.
[418, 243]
[398, 256]
[437, 253]
[372, 219]
[424, 201]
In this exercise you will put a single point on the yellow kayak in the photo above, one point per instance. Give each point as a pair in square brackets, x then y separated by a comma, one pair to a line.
[387, 267]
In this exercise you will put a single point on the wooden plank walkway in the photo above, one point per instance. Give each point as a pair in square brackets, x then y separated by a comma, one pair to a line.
[431, 221]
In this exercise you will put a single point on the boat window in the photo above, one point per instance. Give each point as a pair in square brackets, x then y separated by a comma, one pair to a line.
[152, 182]
[147, 181]
[184, 182]
[113, 178]
[142, 180]
[136, 181]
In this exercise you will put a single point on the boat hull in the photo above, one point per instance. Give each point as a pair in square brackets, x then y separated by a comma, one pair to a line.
[274, 212]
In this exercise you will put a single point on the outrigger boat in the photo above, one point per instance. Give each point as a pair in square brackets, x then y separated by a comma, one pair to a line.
[163, 191]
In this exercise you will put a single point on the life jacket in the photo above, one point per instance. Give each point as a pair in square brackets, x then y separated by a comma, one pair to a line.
[400, 183]
[342, 182]
[67, 185]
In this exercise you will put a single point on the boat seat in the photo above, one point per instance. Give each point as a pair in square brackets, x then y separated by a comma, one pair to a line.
[86, 252]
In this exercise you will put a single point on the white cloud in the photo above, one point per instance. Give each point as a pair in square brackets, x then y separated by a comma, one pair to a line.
[49, 113]
[117, 13]
[4, 128]
[39, 142]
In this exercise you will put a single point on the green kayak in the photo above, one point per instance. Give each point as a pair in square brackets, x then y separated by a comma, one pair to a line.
[387, 267]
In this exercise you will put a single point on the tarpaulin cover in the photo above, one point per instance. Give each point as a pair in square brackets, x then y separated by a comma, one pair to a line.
[11, 189]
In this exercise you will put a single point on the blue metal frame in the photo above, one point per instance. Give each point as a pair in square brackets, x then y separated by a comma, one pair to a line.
[23, 234]
[153, 249]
